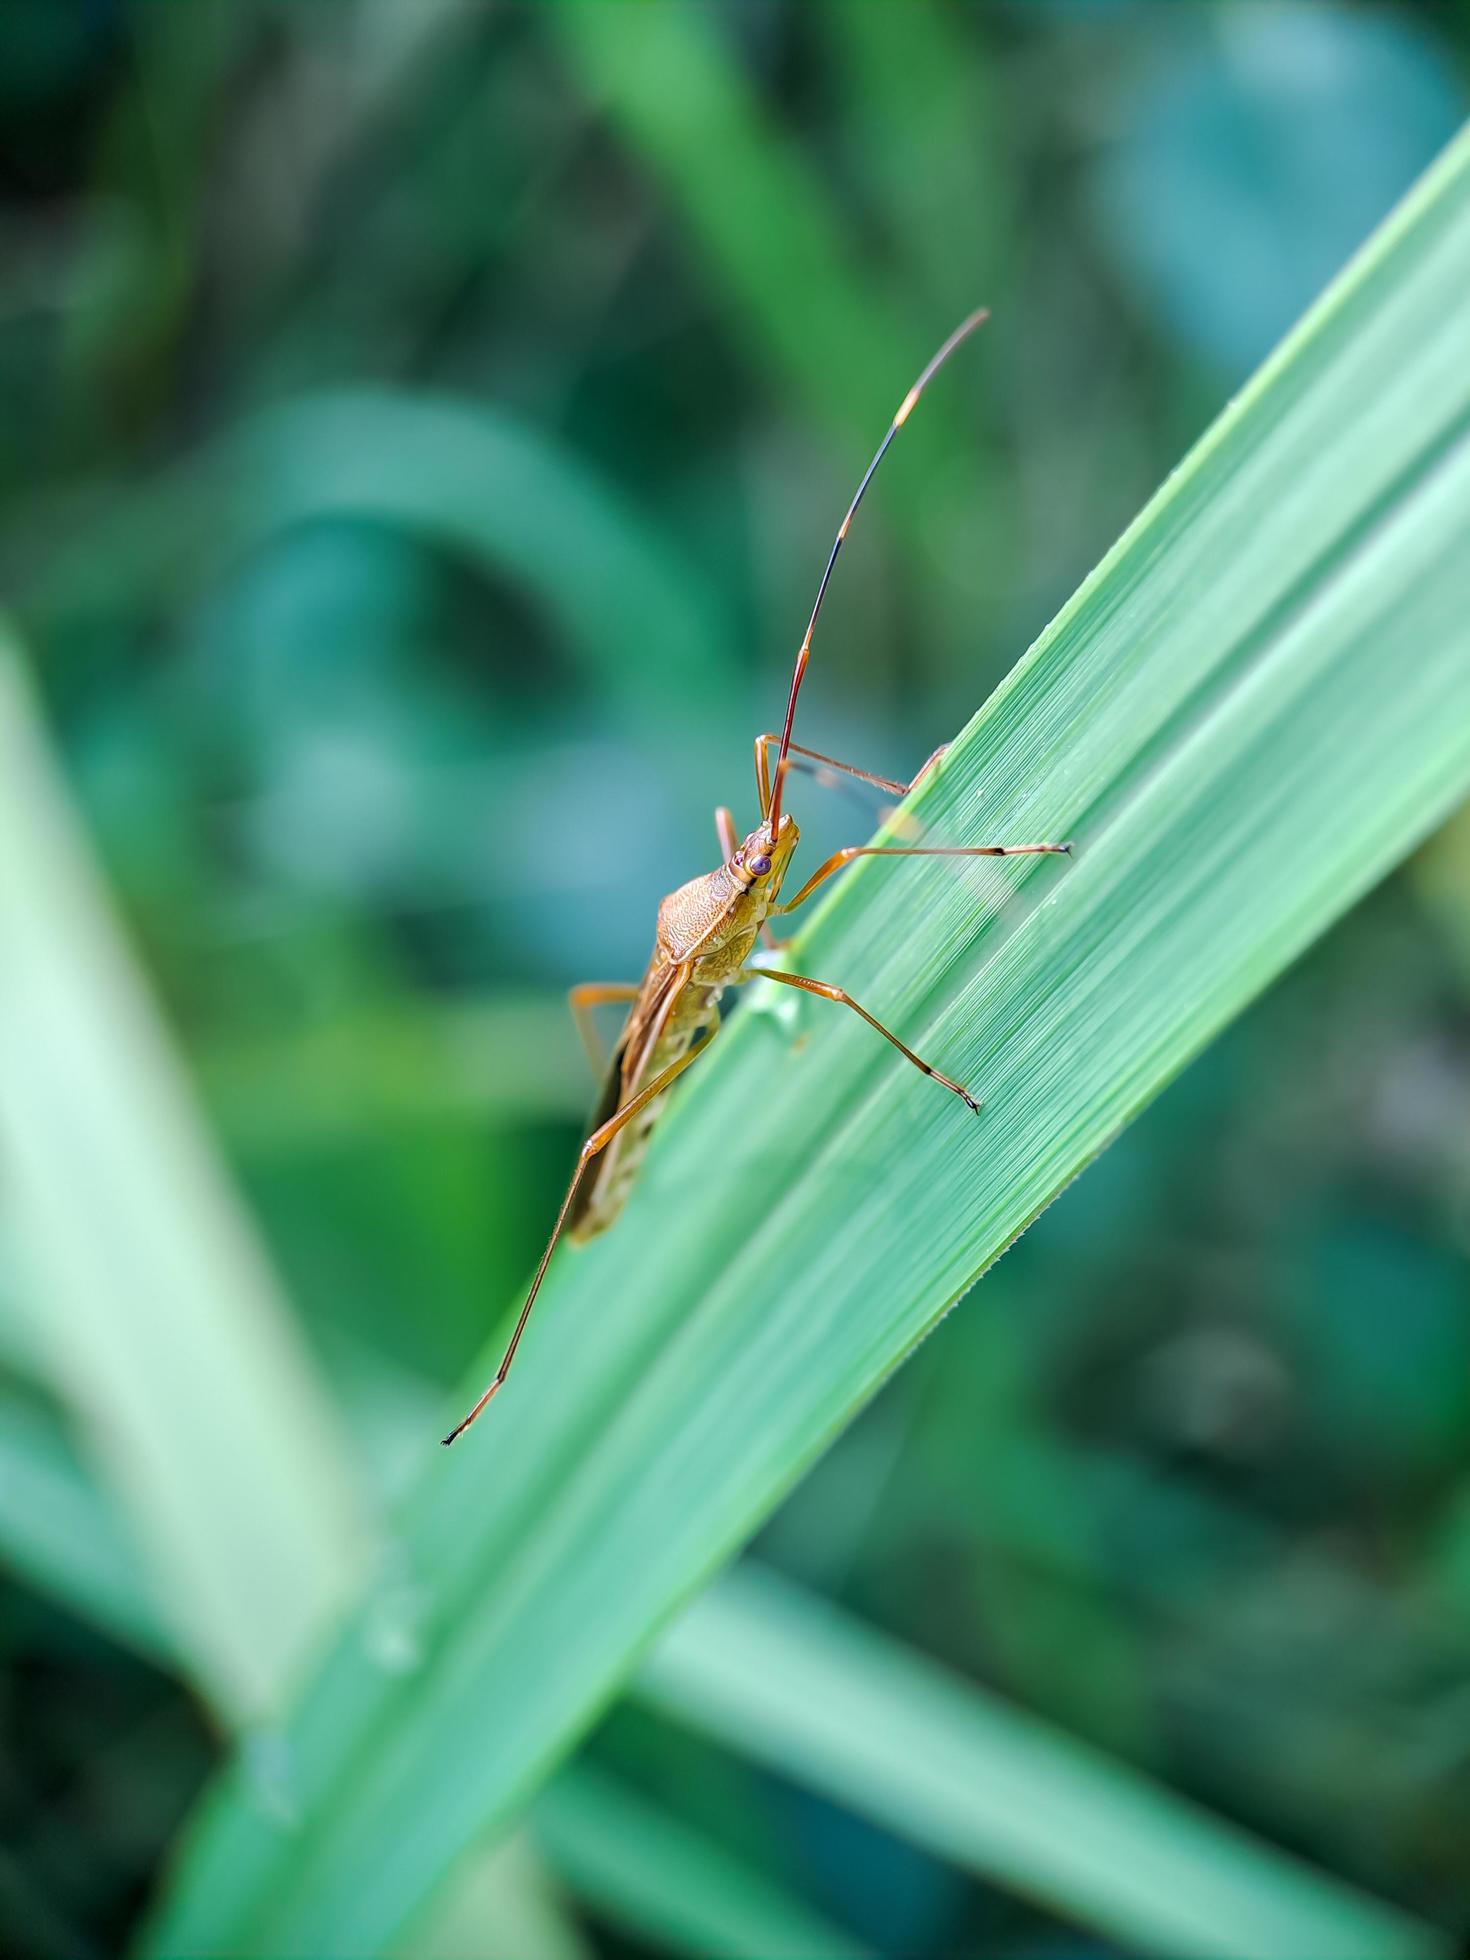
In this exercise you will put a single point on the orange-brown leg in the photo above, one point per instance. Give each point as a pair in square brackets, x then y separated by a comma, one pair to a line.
[763, 768]
[598, 1141]
[582, 1000]
[827, 763]
[925, 767]
[846, 1000]
[840, 859]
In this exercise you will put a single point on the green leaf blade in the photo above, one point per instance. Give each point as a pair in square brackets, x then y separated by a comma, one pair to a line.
[1254, 708]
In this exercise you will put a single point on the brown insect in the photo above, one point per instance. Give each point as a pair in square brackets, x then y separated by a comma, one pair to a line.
[707, 931]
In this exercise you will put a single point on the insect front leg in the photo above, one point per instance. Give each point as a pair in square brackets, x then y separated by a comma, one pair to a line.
[763, 768]
[597, 1142]
[839, 860]
[845, 999]
[821, 768]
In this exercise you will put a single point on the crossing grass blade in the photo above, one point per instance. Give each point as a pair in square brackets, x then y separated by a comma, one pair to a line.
[641, 1867]
[777, 1675]
[60, 1531]
[1253, 709]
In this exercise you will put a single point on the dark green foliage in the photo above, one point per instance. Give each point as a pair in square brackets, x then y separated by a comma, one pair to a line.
[423, 427]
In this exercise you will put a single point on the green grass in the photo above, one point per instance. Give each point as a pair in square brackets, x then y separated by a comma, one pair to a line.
[769, 1672]
[1257, 705]
[165, 1332]
[645, 1870]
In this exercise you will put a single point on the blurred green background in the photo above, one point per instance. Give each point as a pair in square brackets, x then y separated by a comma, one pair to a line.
[423, 425]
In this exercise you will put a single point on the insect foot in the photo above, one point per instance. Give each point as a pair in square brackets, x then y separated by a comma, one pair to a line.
[959, 1088]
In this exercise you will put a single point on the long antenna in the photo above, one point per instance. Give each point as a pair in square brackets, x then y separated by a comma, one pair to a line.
[905, 410]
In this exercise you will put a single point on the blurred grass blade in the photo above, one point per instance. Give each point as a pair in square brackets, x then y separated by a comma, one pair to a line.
[920, 87]
[778, 1675]
[168, 1335]
[510, 1890]
[1251, 711]
[61, 1532]
[757, 212]
[503, 1060]
[774, 238]
[650, 1874]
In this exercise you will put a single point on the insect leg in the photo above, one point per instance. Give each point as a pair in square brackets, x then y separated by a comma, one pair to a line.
[825, 763]
[596, 993]
[598, 1141]
[923, 770]
[840, 859]
[763, 768]
[846, 1000]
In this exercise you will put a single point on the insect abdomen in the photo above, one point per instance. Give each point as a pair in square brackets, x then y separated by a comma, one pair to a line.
[604, 1193]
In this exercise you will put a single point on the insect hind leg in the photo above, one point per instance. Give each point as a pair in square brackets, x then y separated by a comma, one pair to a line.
[596, 1143]
[845, 999]
[596, 993]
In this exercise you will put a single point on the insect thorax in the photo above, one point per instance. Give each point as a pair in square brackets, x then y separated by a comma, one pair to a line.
[716, 917]
[706, 914]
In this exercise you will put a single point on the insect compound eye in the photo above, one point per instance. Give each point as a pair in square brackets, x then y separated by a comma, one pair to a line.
[760, 866]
